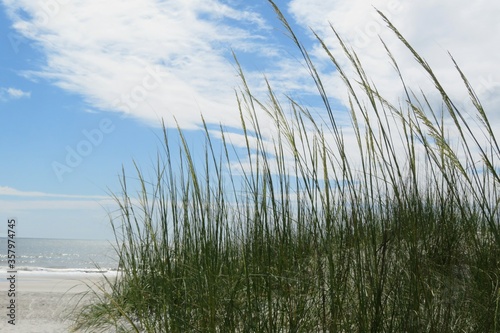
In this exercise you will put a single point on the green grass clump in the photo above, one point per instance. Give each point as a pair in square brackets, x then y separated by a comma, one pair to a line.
[302, 237]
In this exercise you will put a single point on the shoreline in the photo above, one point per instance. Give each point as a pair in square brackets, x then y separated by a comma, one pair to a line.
[43, 300]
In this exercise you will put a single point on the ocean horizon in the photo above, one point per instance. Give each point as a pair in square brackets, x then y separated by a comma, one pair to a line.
[61, 255]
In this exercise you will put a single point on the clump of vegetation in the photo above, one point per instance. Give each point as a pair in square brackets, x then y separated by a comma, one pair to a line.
[304, 239]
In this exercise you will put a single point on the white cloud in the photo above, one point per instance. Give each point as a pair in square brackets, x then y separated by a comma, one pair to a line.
[9, 191]
[49, 215]
[55, 205]
[463, 28]
[152, 59]
[106, 51]
[13, 93]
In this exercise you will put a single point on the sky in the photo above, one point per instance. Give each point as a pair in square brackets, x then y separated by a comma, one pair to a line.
[85, 84]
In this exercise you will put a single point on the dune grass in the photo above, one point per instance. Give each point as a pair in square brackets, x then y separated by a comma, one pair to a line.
[302, 237]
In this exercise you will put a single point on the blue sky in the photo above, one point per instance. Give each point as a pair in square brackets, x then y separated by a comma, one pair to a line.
[84, 84]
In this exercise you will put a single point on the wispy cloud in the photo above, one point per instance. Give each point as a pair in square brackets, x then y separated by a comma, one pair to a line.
[171, 59]
[463, 28]
[19, 203]
[146, 58]
[13, 93]
[55, 205]
[9, 191]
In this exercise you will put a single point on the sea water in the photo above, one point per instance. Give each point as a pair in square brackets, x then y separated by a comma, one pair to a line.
[61, 255]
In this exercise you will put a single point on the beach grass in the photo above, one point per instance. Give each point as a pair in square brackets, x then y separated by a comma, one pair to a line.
[297, 235]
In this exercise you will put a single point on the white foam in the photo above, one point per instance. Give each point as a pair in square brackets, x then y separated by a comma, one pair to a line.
[66, 271]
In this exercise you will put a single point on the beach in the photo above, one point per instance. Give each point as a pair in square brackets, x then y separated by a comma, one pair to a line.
[44, 299]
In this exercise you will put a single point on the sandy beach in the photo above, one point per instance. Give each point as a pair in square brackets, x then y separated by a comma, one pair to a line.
[43, 300]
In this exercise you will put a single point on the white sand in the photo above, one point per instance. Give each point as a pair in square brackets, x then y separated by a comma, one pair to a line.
[43, 300]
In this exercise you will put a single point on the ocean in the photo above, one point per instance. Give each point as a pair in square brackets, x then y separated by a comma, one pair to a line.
[61, 255]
